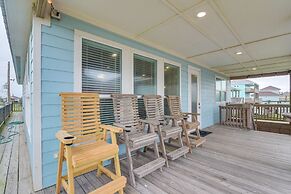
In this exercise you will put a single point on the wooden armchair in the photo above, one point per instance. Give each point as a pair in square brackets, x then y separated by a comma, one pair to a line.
[83, 143]
[167, 131]
[134, 135]
[183, 119]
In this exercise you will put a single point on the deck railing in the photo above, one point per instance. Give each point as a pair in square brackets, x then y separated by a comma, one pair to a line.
[237, 115]
[272, 112]
[5, 112]
[17, 106]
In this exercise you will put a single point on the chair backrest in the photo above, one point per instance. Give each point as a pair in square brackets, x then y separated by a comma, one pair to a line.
[174, 105]
[125, 108]
[81, 116]
[154, 106]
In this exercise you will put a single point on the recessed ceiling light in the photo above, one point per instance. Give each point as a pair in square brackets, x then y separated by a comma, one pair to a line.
[238, 53]
[254, 68]
[167, 67]
[201, 14]
[114, 55]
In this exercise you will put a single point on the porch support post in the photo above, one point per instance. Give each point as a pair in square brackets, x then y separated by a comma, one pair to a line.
[290, 91]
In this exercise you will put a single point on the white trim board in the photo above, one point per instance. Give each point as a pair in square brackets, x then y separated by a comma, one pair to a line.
[197, 72]
[127, 63]
[36, 112]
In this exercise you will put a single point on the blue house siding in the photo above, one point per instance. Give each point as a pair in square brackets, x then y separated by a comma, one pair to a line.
[57, 66]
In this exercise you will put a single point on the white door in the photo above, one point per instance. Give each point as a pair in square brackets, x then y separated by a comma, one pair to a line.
[194, 80]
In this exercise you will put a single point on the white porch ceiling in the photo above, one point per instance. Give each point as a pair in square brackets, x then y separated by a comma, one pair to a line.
[260, 29]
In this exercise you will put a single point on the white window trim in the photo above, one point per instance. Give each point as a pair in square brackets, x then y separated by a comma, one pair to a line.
[160, 69]
[198, 71]
[220, 102]
[180, 69]
[127, 69]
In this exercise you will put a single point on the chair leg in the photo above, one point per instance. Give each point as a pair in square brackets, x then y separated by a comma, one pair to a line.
[99, 172]
[164, 152]
[156, 150]
[117, 169]
[130, 167]
[60, 168]
[198, 133]
[188, 140]
[181, 141]
[71, 187]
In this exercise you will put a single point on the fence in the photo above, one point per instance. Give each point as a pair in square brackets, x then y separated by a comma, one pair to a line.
[17, 106]
[272, 112]
[5, 112]
[237, 115]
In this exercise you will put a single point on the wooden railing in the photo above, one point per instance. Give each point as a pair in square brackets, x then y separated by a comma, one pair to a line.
[237, 115]
[272, 112]
[5, 112]
[17, 106]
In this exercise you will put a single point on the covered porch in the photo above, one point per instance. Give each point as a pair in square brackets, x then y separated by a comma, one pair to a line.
[231, 161]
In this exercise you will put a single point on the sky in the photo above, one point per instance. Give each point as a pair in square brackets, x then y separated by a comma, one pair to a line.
[5, 56]
[281, 82]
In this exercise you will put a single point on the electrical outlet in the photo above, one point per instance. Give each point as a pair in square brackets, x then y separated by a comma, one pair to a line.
[56, 155]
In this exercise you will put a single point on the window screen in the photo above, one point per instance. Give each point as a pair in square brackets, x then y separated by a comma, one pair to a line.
[101, 68]
[145, 75]
[172, 80]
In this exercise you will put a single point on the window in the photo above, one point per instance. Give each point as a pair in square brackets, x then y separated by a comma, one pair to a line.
[101, 68]
[172, 80]
[220, 90]
[145, 75]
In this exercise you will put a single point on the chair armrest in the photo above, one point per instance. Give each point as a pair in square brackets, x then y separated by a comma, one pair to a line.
[112, 128]
[124, 127]
[150, 121]
[190, 113]
[175, 117]
[64, 137]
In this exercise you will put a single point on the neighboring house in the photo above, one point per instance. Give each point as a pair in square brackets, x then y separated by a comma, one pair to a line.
[285, 96]
[15, 99]
[244, 91]
[270, 94]
[52, 56]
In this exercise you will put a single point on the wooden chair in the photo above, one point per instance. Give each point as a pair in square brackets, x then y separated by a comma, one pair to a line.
[166, 130]
[188, 126]
[83, 143]
[134, 134]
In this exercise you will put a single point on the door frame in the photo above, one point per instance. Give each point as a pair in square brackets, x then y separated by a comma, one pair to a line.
[197, 72]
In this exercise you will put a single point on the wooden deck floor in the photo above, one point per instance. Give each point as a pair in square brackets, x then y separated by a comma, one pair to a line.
[231, 161]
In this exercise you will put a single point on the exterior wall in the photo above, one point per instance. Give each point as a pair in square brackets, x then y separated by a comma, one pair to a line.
[269, 98]
[57, 75]
[27, 97]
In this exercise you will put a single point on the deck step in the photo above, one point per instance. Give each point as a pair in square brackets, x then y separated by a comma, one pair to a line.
[149, 167]
[178, 153]
[111, 187]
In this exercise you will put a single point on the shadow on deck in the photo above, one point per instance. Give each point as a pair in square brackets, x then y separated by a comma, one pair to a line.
[231, 161]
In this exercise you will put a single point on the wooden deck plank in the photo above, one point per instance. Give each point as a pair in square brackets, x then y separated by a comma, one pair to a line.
[6, 156]
[231, 161]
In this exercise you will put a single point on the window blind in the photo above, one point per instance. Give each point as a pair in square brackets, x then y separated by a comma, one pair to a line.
[101, 68]
[101, 73]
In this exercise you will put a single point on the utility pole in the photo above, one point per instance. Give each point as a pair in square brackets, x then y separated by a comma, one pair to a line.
[8, 83]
